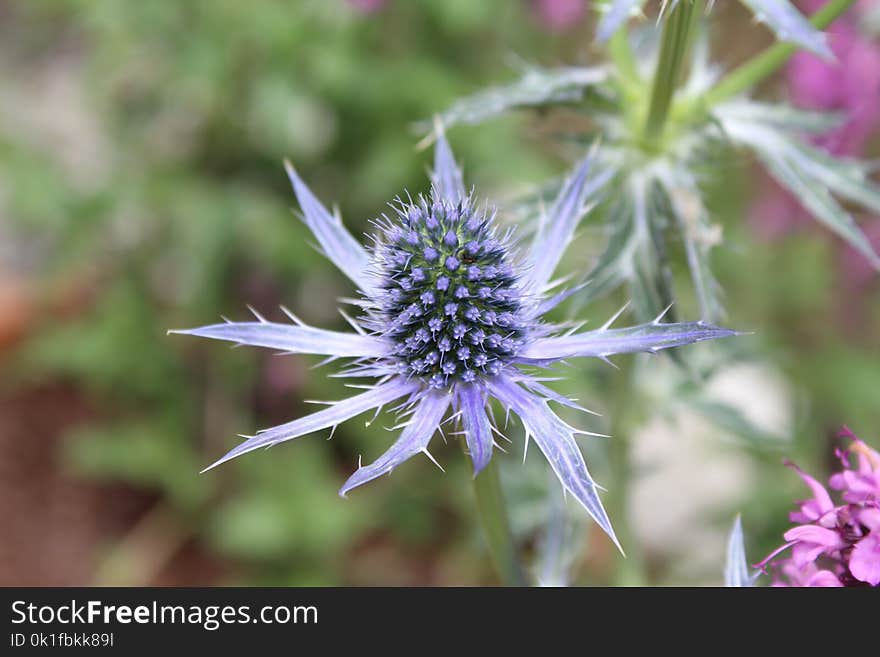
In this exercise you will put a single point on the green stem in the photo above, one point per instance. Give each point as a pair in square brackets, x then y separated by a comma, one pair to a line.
[630, 570]
[673, 48]
[496, 525]
[762, 66]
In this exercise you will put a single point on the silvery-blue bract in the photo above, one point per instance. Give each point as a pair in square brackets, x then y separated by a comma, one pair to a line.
[450, 315]
[781, 16]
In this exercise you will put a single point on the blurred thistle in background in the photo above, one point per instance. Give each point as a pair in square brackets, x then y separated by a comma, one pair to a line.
[668, 118]
[666, 115]
[141, 189]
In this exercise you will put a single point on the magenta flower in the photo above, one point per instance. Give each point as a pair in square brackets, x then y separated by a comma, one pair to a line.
[835, 545]
[863, 483]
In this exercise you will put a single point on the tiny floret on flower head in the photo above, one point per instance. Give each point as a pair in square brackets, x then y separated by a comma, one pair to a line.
[451, 315]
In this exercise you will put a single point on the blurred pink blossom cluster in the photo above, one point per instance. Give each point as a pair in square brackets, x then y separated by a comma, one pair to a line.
[835, 545]
[849, 85]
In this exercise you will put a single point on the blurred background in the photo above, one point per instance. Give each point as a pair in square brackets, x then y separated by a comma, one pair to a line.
[141, 189]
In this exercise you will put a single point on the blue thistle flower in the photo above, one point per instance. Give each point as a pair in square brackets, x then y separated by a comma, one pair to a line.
[450, 315]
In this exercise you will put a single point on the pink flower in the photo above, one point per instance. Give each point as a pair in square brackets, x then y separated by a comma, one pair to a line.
[863, 483]
[809, 576]
[815, 508]
[835, 545]
[558, 15]
[864, 563]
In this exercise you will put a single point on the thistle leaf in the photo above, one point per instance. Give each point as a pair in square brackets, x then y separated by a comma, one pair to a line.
[558, 224]
[790, 25]
[784, 117]
[816, 197]
[539, 86]
[736, 570]
[700, 236]
[617, 12]
[705, 284]
[615, 264]
[848, 178]
[730, 419]
[650, 337]
[810, 175]
[651, 284]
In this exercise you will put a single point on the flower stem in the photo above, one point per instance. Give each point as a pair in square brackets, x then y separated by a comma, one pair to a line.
[496, 525]
[673, 48]
[762, 66]
[630, 570]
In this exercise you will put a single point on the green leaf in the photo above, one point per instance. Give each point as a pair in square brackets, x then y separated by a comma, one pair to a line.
[615, 264]
[732, 420]
[651, 285]
[152, 453]
[790, 25]
[537, 87]
[692, 394]
[846, 177]
[784, 117]
[817, 199]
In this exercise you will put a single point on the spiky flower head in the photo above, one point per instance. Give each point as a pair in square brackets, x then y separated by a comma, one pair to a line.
[450, 316]
[448, 300]
[835, 545]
